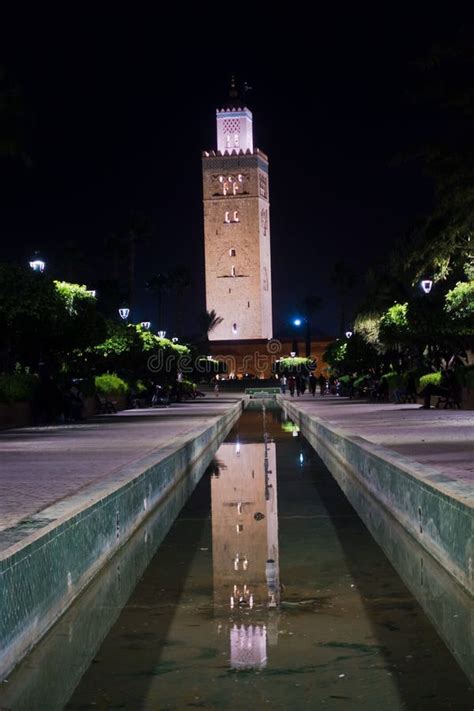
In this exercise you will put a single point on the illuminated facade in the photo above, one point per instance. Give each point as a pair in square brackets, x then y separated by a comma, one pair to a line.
[237, 230]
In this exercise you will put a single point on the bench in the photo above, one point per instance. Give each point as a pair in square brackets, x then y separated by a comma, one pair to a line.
[104, 406]
[449, 401]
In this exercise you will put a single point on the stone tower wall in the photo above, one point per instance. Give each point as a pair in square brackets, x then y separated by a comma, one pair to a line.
[237, 244]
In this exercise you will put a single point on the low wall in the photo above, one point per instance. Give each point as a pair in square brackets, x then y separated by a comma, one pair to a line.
[16, 414]
[422, 499]
[46, 569]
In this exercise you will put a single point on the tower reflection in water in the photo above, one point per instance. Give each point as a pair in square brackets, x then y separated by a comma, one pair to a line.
[245, 548]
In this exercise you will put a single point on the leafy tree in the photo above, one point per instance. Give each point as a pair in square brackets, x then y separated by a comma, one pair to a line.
[42, 320]
[459, 304]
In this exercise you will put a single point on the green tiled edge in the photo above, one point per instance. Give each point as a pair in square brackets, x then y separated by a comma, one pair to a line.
[403, 486]
[41, 575]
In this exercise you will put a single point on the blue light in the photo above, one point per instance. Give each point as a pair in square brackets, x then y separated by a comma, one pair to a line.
[297, 322]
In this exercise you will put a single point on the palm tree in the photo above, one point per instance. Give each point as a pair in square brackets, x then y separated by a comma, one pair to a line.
[12, 119]
[209, 320]
[159, 286]
[311, 304]
[114, 246]
[137, 231]
[344, 279]
[179, 281]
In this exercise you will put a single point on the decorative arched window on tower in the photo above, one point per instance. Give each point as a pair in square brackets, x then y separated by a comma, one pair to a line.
[226, 216]
[236, 217]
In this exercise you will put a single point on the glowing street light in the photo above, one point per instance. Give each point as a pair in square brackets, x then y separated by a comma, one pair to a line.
[162, 334]
[297, 321]
[348, 334]
[175, 339]
[292, 354]
[146, 325]
[37, 265]
[124, 313]
[92, 292]
[427, 285]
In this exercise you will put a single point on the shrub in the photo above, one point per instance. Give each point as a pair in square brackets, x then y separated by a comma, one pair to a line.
[110, 384]
[430, 379]
[17, 387]
[345, 379]
[394, 380]
[360, 382]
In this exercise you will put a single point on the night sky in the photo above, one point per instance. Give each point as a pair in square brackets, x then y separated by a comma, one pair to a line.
[119, 108]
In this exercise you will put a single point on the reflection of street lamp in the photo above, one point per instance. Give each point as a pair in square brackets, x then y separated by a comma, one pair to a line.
[124, 313]
[426, 285]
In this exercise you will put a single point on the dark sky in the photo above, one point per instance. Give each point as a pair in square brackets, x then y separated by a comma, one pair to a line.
[121, 107]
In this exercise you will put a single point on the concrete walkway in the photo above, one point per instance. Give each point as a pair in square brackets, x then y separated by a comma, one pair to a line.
[40, 466]
[443, 439]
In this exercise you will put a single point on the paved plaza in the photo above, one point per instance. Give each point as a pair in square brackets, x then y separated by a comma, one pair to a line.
[443, 439]
[40, 466]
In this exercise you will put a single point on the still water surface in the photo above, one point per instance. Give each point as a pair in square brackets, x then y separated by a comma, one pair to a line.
[267, 592]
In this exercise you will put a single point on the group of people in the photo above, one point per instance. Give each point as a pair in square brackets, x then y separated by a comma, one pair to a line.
[300, 383]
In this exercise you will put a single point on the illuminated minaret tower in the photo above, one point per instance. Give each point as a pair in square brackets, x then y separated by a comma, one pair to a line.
[237, 228]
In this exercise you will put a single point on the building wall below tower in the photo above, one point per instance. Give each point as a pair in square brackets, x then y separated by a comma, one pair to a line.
[256, 357]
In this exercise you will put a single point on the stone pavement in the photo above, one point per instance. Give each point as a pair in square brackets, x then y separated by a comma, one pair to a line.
[42, 465]
[443, 439]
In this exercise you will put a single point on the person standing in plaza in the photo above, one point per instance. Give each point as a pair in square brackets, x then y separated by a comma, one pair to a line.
[322, 384]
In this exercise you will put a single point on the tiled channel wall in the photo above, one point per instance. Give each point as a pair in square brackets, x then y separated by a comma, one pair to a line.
[41, 575]
[416, 495]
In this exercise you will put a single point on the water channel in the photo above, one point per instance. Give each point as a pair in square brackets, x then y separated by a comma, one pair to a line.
[267, 592]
